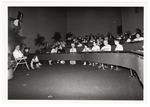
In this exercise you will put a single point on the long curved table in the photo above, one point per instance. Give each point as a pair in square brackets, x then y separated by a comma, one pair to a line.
[131, 60]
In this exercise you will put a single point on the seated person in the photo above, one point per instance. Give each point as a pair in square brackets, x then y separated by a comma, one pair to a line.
[60, 50]
[138, 38]
[72, 50]
[63, 44]
[46, 48]
[98, 42]
[92, 39]
[128, 39]
[106, 47]
[19, 55]
[118, 47]
[79, 44]
[84, 40]
[46, 45]
[54, 50]
[34, 61]
[86, 49]
[95, 48]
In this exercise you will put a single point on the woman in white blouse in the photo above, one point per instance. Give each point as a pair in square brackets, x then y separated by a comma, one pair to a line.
[138, 37]
[106, 46]
[72, 50]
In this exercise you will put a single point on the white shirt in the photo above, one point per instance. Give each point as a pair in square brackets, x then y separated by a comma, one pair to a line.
[95, 48]
[79, 45]
[138, 39]
[119, 48]
[73, 50]
[128, 40]
[86, 50]
[54, 51]
[106, 48]
[17, 54]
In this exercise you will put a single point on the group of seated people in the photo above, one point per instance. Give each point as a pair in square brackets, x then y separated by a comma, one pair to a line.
[99, 38]
[95, 48]
[99, 43]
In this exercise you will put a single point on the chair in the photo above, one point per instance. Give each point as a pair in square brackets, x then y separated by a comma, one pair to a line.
[21, 61]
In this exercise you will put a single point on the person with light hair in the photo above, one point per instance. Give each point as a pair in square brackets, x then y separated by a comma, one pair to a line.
[73, 50]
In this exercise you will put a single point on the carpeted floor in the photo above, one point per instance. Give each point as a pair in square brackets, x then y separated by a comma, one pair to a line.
[73, 82]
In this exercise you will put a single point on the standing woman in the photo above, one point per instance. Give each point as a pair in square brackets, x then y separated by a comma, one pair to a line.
[72, 50]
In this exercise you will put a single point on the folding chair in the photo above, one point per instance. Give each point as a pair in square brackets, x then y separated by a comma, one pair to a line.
[21, 61]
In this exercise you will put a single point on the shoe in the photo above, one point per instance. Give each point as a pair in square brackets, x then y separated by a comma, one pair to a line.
[84, 63]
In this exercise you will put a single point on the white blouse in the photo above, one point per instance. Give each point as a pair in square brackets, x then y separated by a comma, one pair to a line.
[86, 50]
[106, 48]
[119, 48]
[17, 54]
[73, 50]
[138, 39]
[54, 51]
[95, 48]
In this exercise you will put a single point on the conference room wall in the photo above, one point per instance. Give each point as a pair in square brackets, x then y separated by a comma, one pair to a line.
[132, 19]
[82, 21]
[43, 21]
